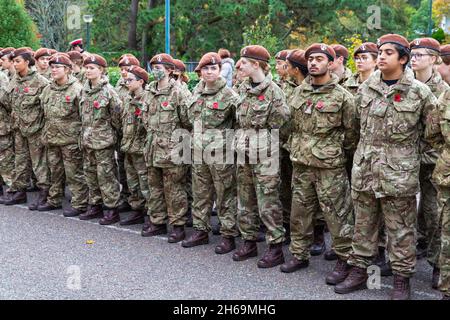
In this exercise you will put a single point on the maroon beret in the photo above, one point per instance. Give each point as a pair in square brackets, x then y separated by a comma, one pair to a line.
[445, 50]
[139, 72]
[179, 65]
[42, 52]
[297, 56]
[394, 39]
[76, 42]
[426, 43]
[162, 58]
[255, 52]
[321, 48]
[21, 51]
[75, 55]
[366, 47]
[6, 51]
[95, 59]
[209, 58]
[127, 61]
[282, 55]
[340, 50]
[61, 58]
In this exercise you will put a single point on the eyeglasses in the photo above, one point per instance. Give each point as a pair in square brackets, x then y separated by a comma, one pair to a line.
[419, 56]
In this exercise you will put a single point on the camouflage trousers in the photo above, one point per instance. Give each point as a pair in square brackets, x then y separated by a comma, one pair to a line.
[428, 216]
[167, 199]
[6, 159]
[399, 215]
[328, 189]
[122, 175]
[286, 181]
[30, 156]
[137, 180]
[208, 180]
[100, 170]
[259, 201]
[66, 165]
[444, 254]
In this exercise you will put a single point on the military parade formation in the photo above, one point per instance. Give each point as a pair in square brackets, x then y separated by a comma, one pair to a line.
[363, 156]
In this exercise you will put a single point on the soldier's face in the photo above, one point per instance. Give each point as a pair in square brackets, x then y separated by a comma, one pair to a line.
[6, 63]
[337, 63]
[444, 70]
[93, 71]
[42, 62]
[210, 73]
[388, 59]
[421, 59]
[281, 68]
[132, 83]
[20, 64]
[248, 67]
[365, 62]
[58, 71]
[123, 72]
[318, 64]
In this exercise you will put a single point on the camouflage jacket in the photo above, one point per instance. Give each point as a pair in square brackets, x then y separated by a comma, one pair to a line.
[164, 111]
[100, 115]
[324, 125]
[61, 112]
[47, 74]
[23, 95]
[437, 86]
[288, 88]
[352, 84]
[80, 76]
[185, 91]
[387, 159]
[261, 107]
[438, 127]
[212, 108]
[133, 131]
[5, 110]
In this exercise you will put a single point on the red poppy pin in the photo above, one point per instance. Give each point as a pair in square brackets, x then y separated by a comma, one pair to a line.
[309, 102]
[165, 104]
[261, 97]
[67, 99]
[26, 90]
[397, 98]
[17, 90]
[215, 105]
[319, 105]
[96, 105]
[137, 112]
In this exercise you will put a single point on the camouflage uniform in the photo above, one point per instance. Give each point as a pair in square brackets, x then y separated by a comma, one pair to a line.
[124, 94]
[27, 119]
[47, 74]
[100, 117]
[132, 145]
[163, 112]
[345, 76]
[61, 135]
[261, 108]
[385, 175]
[324, 129]
[428, 216]
[6, 138]
[80, 76]
[214, 108]
[439, 126]
[352, 83]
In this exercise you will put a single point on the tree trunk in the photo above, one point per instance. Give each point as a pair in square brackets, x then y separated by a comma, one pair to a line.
[132, 37]
[144, 55]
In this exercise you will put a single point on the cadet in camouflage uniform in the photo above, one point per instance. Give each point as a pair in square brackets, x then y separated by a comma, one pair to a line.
[23, 95]
[77, 66]
[100, 108]
[125, 62]
[263, 110]
[132, 145]
[281, 67]
[61, 103]
[42, 57]
[439, 130]
[324, 130]
[392, 107]
[339, 66]
[213, 107]
[424, 56]
[164, 111]
[6, 138]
